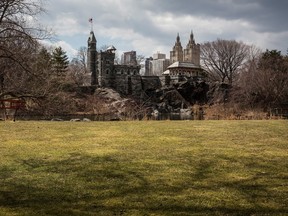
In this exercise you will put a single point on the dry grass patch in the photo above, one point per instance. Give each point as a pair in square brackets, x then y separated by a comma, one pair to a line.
[144, 168]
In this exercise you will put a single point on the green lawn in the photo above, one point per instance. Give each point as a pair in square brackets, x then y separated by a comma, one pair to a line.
[144, 168]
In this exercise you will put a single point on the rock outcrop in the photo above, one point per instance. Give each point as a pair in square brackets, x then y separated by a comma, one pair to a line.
[177, 98]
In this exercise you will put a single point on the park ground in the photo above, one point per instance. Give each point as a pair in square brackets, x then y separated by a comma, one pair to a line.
[144, 168]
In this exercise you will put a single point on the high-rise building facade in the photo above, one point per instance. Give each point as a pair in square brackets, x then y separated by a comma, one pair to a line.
[190, 54]
[157, 65]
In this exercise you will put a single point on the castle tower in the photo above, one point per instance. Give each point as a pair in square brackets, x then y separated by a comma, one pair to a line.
[177, 53]
[92, 58]
[105, 67]
[129, 58]
[192, 51]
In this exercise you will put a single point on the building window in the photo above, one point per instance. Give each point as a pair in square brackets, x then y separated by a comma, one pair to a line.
[107, 71]
[122, 71]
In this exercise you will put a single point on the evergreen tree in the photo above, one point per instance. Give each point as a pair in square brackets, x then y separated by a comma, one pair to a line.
[60, 61]
[44, 60]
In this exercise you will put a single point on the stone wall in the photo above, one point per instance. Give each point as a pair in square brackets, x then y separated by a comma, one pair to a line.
[120, 84]
[135, 85]
[151, 82]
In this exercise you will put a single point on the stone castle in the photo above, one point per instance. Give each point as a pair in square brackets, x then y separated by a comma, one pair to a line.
[126, 79]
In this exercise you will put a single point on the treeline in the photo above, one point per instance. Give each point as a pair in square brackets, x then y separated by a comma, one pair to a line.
[46, 79]
[42, 76]
[256, 80]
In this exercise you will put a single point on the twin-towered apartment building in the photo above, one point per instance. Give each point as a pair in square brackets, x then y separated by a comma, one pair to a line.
[182, 61]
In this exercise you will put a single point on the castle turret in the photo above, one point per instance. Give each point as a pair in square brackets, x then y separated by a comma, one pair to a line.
[191, 41]
[177, 53]
[178, 40]
[192, 51]
[92, 58]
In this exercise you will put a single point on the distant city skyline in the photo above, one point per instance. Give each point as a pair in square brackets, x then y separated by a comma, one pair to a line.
[149, 26]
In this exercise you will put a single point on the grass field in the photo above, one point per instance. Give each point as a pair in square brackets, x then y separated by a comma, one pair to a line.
[144, 168]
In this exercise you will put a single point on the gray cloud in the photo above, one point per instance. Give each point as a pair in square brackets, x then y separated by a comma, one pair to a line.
[267, 15]
[156, 23]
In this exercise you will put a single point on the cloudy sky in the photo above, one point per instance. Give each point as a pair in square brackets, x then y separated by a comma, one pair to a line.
[149, 26]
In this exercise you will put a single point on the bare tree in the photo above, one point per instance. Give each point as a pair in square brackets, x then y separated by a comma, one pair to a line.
[82, 58]
[19, 34]
[140, 59]
[16, 27]
[223, 58]
[78, 71]
[264, 82]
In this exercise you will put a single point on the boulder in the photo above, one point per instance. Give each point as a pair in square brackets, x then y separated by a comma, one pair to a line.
[57, 119]
[86, 120]
[75, 120]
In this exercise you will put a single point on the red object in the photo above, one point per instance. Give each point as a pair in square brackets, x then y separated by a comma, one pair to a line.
[11, 104]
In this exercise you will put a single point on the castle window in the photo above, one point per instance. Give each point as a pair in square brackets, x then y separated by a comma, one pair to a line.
[122, 71]
[107, 71]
